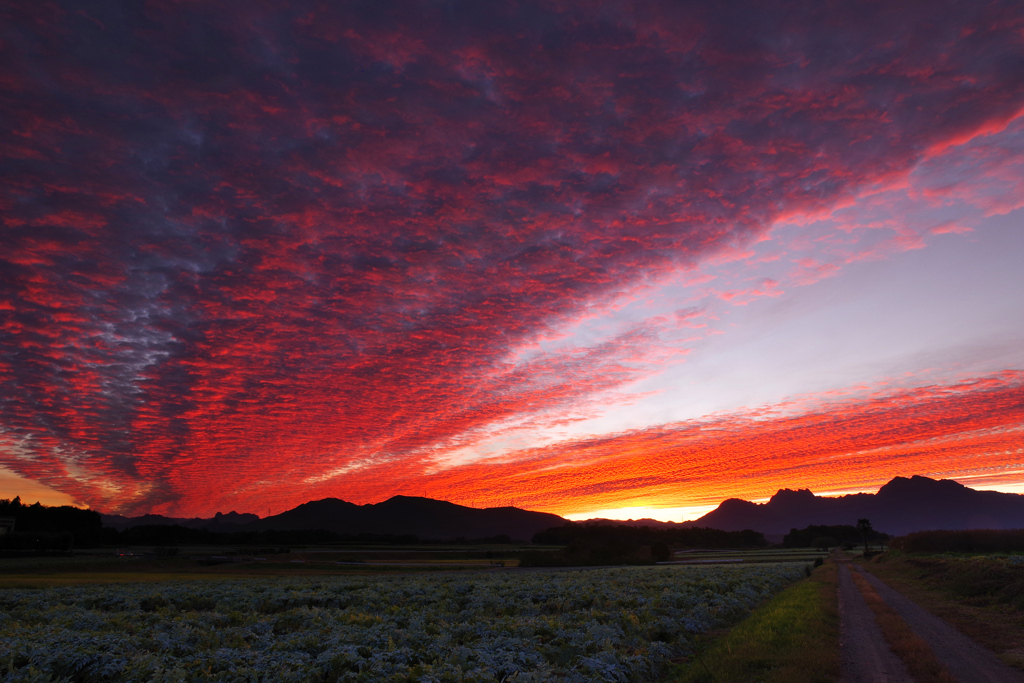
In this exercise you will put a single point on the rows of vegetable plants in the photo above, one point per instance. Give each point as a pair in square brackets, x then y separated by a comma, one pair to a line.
[620, 624]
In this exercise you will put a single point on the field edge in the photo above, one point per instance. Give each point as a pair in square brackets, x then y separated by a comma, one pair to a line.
[793, 637]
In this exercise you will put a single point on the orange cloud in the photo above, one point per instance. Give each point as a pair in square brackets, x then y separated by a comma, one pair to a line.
[973, 428]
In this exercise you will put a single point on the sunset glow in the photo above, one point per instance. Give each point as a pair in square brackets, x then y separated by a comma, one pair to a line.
[620, 263]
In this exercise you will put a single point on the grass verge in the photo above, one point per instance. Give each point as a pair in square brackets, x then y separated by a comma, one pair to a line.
[981, 596]
[792, 638]
[921, 662]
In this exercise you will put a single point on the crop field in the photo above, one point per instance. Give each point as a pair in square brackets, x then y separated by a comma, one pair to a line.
[620, 624]
[94, 567]
[772, 555]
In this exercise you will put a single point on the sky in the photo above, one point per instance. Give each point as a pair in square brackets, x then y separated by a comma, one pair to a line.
[588, 258]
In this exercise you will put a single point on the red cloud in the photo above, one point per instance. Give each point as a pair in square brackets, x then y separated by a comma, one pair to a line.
[249, 250]
[970, 429]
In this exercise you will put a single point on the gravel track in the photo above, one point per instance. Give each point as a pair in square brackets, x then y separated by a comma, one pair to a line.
[965, 659]
[866, 657]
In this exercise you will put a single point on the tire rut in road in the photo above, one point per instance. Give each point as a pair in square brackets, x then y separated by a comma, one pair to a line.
[965, 659]
[866, 656]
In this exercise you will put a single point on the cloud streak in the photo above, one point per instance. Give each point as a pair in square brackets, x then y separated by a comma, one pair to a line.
[261, 245]
[969, 429]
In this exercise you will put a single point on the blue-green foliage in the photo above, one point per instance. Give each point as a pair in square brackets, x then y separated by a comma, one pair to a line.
[599, 625]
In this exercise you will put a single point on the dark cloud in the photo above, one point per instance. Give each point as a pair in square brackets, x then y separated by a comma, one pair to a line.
[250, 243]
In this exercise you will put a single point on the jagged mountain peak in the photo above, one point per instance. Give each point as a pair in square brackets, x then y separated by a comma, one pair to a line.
[902, 505]
[790, 496]
[919, 484]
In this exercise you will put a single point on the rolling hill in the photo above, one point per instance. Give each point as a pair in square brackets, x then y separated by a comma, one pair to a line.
[400, 515]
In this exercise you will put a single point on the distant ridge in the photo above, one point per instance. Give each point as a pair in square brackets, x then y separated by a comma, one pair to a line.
[232, 521]
[424, 517]
[900, 507]
[400, 515]
[646, 521]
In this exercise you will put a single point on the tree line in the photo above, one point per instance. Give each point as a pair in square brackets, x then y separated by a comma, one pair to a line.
[589, 544]
[44, 529]
[962, 541]
[825, 536]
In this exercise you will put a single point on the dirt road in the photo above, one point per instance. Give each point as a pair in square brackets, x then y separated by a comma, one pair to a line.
[965, 659]
[866, 657]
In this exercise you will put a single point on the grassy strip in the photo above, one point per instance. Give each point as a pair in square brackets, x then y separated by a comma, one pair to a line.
[982, 597]
[908, 646]
[792, 638]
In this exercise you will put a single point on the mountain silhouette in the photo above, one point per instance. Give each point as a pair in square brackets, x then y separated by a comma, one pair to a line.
[424, 517]
[900, 507]
[646, 522]
[232, 521]
[400, 515]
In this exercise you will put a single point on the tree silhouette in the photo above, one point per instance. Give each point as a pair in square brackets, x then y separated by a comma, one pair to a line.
[865, 528]
[824, 542]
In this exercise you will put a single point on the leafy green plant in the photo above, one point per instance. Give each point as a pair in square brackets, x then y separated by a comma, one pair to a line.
[621, 624]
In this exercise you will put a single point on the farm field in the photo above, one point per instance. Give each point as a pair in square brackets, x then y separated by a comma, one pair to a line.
[143, 564]
[617, 624]
[204, 563]
[746, 556]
